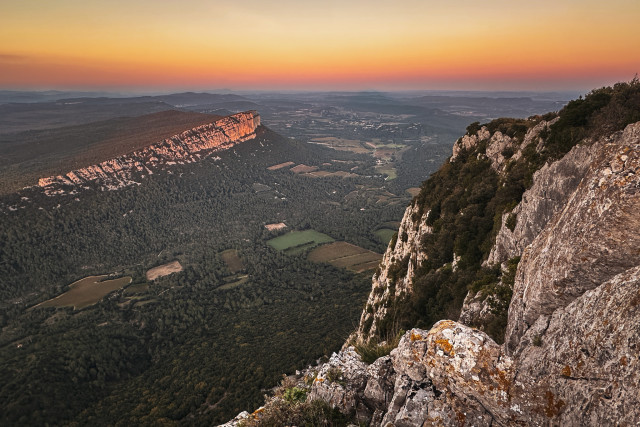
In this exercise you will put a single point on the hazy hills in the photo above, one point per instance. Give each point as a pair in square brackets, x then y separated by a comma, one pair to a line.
[207, 341]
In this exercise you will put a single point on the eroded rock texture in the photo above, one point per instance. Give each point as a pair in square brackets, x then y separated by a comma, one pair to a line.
[595, 236]
[405, 250]
[571, 355]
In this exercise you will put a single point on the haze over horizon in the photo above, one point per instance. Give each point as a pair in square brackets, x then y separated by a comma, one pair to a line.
[374, 45]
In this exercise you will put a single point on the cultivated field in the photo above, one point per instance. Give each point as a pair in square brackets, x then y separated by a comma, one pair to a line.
[163, 270]
[352, 145]
[280, 166]
[233, 261]
[413, 191]
[326, 174]
[86, 292]
[296, 242]
[385, 234]
[346, 255]
[388, 170]
[303, 168]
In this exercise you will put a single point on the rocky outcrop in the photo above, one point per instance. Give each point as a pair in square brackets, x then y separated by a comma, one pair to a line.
[403, 257]
[571, 351]
[593, 238]
[187, 147]
[394, 278]
[467, 142]
[552, 186]
[580, 366]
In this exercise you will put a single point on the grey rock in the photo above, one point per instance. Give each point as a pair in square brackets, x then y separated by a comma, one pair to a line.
[593, 238]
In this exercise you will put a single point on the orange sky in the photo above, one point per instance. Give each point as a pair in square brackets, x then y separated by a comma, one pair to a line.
[305, 44]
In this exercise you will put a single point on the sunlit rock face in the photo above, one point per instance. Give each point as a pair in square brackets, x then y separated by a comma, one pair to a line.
[186, 147]
[572, 342]
[593, 238]
[385, 286]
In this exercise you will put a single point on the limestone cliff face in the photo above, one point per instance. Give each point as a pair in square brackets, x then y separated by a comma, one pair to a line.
[571, 354]
[187, 147]
[404, 256]
[393, 279]
[595, 237]
[571, 350]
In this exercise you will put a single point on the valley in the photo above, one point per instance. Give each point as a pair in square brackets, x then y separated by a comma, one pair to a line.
[243, 264]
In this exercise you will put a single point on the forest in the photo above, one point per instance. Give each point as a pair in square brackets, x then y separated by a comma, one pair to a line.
[196, 346]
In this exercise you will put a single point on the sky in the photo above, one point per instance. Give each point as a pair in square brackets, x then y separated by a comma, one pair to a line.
[318, 45]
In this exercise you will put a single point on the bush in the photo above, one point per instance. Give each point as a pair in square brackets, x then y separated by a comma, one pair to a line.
[334, 375]
[295, 395]
[317, 413]
[511, 222]
[373, 350]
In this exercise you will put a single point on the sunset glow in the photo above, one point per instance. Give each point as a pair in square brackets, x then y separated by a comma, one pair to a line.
[408, 44]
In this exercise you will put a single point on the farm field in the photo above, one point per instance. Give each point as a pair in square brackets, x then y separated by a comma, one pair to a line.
[233, 260]
[86, 292]
[235, 281]
[346, 255]
[341, 144]
[296, 242]
[325, 174]
[302, 168]
[163, 270]
[280, 166]
[385, 234]
[388, 170]
[413, 191]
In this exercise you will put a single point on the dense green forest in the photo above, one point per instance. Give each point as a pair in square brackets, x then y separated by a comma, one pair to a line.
[197, 346]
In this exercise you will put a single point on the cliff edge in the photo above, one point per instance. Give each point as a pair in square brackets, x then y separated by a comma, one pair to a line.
[186, 147]
[529, 237]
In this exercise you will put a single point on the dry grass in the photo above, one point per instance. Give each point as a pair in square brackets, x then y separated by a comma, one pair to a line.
[86, 292]
[233, 261]
[303, 168]
[163, 270]
[346, 255]
[279, 166]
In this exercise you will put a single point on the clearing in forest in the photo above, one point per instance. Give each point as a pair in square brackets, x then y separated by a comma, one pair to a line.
[302, 168]
[275, 226]
[233, 260]
[280, 166]
[163, 270]
[385, 234]
[413, 191]
[296, 242]
[86, 292]
[346, 255]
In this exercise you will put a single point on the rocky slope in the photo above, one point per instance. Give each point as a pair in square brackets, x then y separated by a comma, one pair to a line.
[186, 147]
[565, 261]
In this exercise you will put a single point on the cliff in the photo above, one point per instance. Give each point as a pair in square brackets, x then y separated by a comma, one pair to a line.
[186, 147]
[528, 236]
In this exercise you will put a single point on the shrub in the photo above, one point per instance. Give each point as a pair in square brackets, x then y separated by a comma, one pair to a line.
[511, 222]
[295, 395]
[334, 375]
[317, 413]
[373, 350]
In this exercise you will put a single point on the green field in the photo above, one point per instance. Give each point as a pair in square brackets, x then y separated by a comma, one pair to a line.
[297, 242]
[385, 234]
[388, 170]
[86, 292]
[346, 255]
